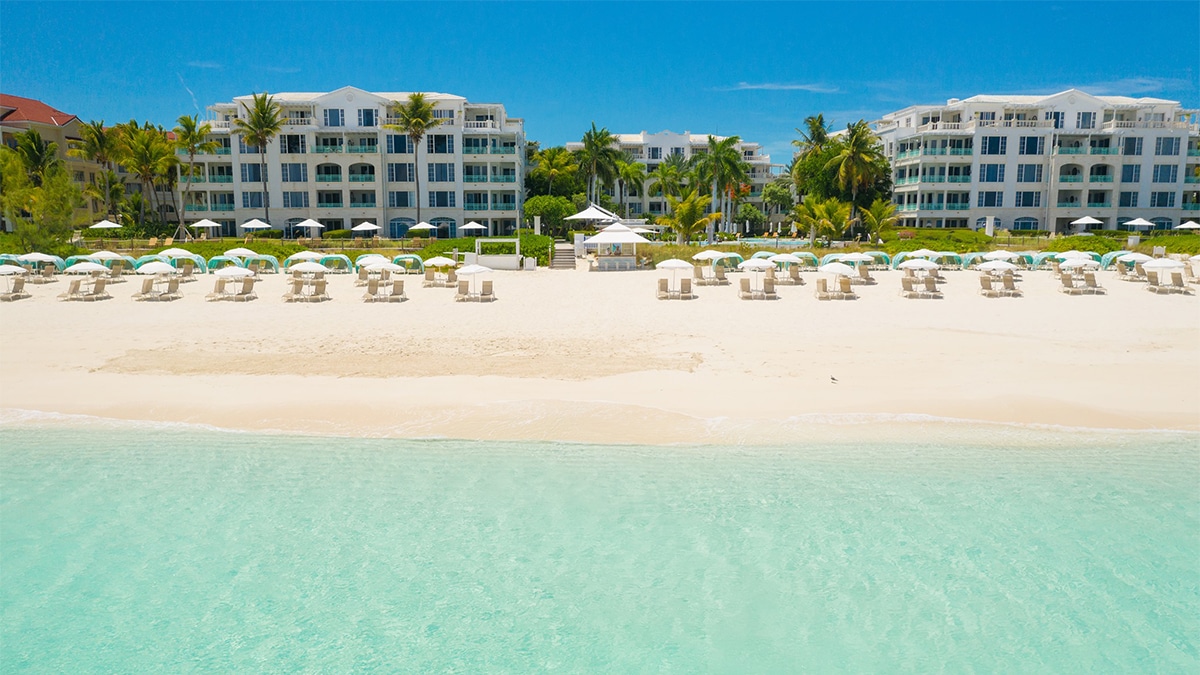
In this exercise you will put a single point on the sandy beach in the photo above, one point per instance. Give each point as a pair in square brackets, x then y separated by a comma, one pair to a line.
[594, 357]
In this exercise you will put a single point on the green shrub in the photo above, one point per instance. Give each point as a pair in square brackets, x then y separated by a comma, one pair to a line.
[1175, 243]
[336, 234]
[1084, 243]
[532, 246]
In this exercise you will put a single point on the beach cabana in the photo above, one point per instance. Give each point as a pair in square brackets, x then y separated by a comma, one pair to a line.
[240, 252]
[730, 260]
[149, 258]
[882, 260]
[615, 239]
[266, 263]
[945, 258]
[763, 255]
[409, 262]
[200, 264]
[218, 261]
[366, 258]
[969, 259]
[1040, 258]
[337, 263]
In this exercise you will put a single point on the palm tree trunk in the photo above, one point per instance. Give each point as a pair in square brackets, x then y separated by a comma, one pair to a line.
[708, 228]
[188, 189]
[417, 173]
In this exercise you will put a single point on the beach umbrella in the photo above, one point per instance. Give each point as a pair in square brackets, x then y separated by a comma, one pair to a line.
[422, 226]
[917, 264]
[106, 255]
[1134, 257]
[855, 258]
[1138, 222]
[996, 266]
[472, 227]
[307, 266]
[473, 271]
[922, 253]
[384, 264]
[255, 224]
[709, 255]
[206, 224]
[85, 268]
[1075, 263]
[38, 257]
[1000, 255]
[756, 265]
[593, 212]
[175, 253]
[1087, 220]
[839, 268]
[156, 267]
[785, 258]
[365, 227]
[1189, 225]
[674, 265]
[239, 252]
[440, 261]
[1163, 264]
[105, 225]
[1072, 255]
[234, 272]
[305, 255]
[12, 269]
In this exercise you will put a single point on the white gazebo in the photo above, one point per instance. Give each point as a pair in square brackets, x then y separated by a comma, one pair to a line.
[616, 247]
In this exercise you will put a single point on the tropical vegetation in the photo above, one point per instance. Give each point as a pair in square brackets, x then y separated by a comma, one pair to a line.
[258, 124]
[414, 118]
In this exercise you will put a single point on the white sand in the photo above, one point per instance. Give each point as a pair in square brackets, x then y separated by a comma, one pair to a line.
[578, 356]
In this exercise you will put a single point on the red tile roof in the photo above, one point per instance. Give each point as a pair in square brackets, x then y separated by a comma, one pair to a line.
[20, 109]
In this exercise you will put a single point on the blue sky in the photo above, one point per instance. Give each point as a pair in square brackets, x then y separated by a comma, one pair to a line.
[752, 69]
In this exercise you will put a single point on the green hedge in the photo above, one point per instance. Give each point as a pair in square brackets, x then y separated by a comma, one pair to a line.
[532, 246]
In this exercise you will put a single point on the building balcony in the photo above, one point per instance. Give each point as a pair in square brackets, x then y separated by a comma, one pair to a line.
[329, 205]
[933, 151]
[222, 207]
[363, 204]
[223, 151]
[504, 150]
[481, 124]
[958, 179]
[362, 149]
[933, 179]
[962, 151]
[329, 178]
[1100, 179]
[1187, 206]
[1070, 179]
[220, 179]
[191, 179]
[476, 150]
[1068, 205]
[932, 207]
[957, 207]
[327, 149]
[362, 178]
[475, 179]
[1099, 205]
[1193, 152]
[908, 154]
[1191, 179]
[906, 207]
[504, 179]
[908, 180]
[475, 207]
[1103, 151]
[195, 207]
[1070, 151]
[504, 207]
[1158, 124]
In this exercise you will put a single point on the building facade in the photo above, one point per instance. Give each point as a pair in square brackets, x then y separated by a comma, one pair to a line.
[651, 149]
[334, 162]
[19, 114]
[1041, 162]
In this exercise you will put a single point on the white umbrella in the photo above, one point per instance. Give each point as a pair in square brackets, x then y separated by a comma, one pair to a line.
[206, 224]
[365, 227]
[917, 264]
[641, 230]
[472, 227]
[1189, 225]
[1134, 257]
[1000, 255]
[1074, 263]
[308, 266]
[1139, 222]
[839, 268]
[996, 266]
[37, 257]
[176, 253]
[310, 224]
[674, 265]
[105, 225]
[709, 255]
[255, 224]
[422, 226]
[1086, 220]
[1074, 255]
[384, 264]
[921, 253]
[306, 255]
[106, 255]
[1195, 258]
[756, 265]
[235, 272]
[240, 252]
[593, 212]
[855, 257]
[1163, 264]
[85, 268]
[156, 267]
[11, 269]
[473, 271]
[790, 258]
[440, 261]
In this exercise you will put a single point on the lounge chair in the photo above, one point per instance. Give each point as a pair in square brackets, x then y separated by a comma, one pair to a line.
[931, 290]
[1188, 274]
[254, 266]
[487, 295]
[372, 294]
[115, 272]
[1177, 284]
[187, 271]
[247, 293]
[847, 293]
[44, 275]
[744, 291]
[1055, 269]
[1068, 285]
[907, 288]
[296, 292]
[218, 291]
[464, 291]
[430, 277]
[152, 243]
[98, 292]
[719, 276]
[169, 241]
[72, 292]
[685, 289]
[172, 292]
[397, 292]
[147, 289]
[1010, 286]
[318, 293]
[17, 292]
[364, 275]
[1090, 286]
[864, 275]
[698, 275]
[822, 290]
[451, 278]
[769, 289]
[664, 290]
[1153, 284]
[1139, 272]
[385, 276]
[985, 287]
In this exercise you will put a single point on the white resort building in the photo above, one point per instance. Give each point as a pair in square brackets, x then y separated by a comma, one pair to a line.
[1041, 162]
[651, 149]
[334, 162]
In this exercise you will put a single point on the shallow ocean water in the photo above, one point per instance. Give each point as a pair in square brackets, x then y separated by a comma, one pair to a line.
[135, 550]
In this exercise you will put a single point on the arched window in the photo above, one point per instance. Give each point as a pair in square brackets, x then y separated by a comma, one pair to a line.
[981, 223]
[1025, 224]
[398, 227]
[290, 231]
[1162, 223]
[449, 224]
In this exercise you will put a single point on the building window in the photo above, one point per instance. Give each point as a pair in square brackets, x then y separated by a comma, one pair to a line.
[655, 153]
[987, 116]
[656, 207]
[443, 114]
[441, 173]
[334, 117]
[329, 198]
[1031, 145]
[252, 200]
[292, 144]
[441, 199]
[1025, 224]
[1031, 199]
[247, 149]
[993, 145]
[635, 208]
[294, 172]
[253, 173]
[366, 117]
[1131, 173]
[1162, 200]
[995, 198]
[1131, 146]
[475, 145]
[1166, 173]
[1057, 117]
[295, 200]
[1029, 173]
[991, 173]
[677, 152]
[1128, 199]
[440, 144]
[1165, 145]
[401, 200]
[401, 172]
[1085, 120]
[399, 145]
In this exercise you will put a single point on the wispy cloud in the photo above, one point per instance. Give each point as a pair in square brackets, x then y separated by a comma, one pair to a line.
[781, 86]
[195, 104]
[211, 65]
[1130, 86]
[281, 69]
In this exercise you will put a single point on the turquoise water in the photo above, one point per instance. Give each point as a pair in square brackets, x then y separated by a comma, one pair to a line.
[170, 551]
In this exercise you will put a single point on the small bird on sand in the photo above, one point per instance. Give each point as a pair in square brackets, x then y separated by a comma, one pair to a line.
[832, 379]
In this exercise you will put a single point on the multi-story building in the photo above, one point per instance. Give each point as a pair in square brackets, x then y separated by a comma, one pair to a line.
[651, 149]
[335, 162]
[19, 114]
[1042, 162]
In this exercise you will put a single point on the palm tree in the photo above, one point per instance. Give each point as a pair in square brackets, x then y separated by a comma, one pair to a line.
[109, 190]
[258, 125]
[669, 176]
[599, 158]
[879, 217]
[632, 176]
[721, 165]
[859, 161]
[553, 163]
[829, 217]
[687, 216]
[149, 156]
[414, 118]
[191, 136]
[815, 136]
[38, 156]
[97, 144]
